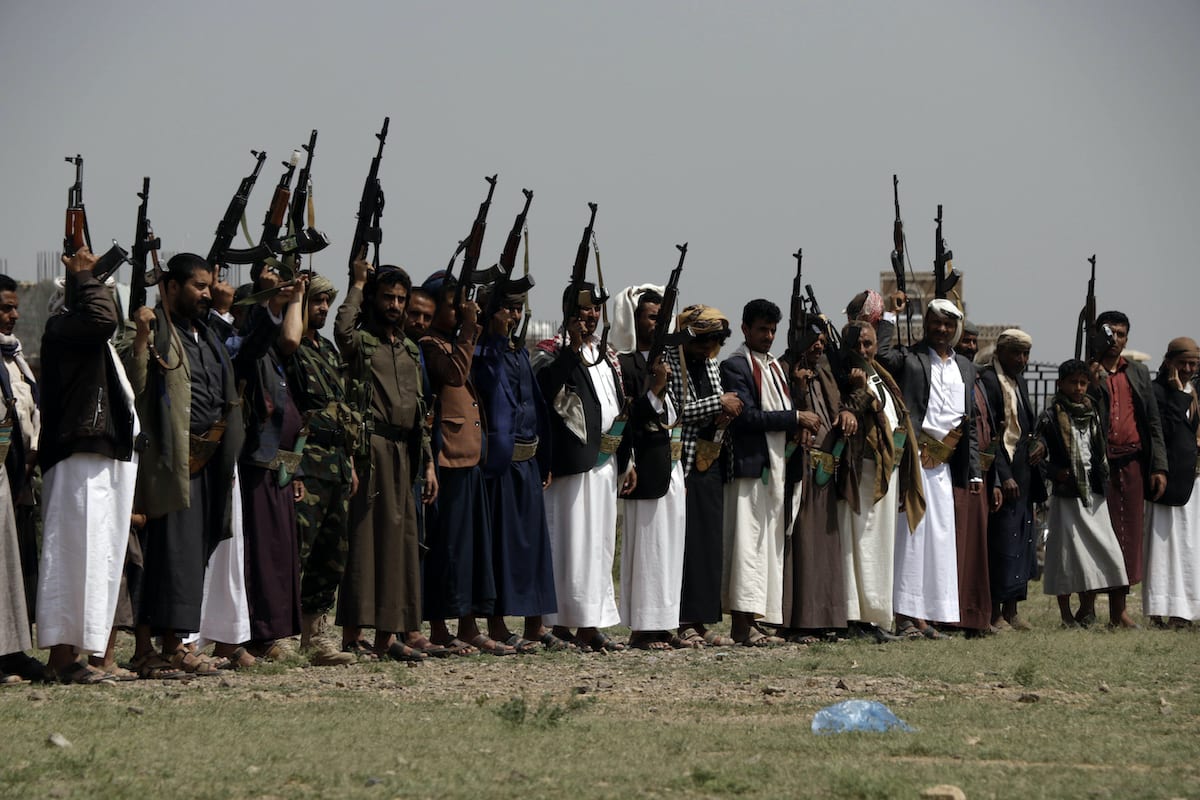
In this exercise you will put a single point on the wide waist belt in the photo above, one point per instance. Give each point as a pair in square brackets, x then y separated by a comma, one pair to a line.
[202, 448]
[610, 440]
[287, 459]
[934, 452]
[824, 465]
[393, 433]
[523, 451]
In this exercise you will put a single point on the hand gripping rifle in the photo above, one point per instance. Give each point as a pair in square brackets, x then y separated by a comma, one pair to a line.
[944, 276]
[1085, 329]
[666, 312]
[272, 222]
[898, 254]
[76, 233]
[302, 237]
[145, 248]
[219, 254]
[473, 245]
[370, 208]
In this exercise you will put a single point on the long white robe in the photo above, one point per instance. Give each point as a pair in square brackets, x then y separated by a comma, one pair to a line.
[926, 561]
[14, 615]
[87, 500]
[1171, 586]
[652, 558]
[225, 609]
[869, 542]
[581, 512]
[755, 532]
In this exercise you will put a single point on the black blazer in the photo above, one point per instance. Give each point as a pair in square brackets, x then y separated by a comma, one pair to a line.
[564, 368]
[645, 435]
[1180, 435]
[1033, 489]
[749, 429]
[913, 372]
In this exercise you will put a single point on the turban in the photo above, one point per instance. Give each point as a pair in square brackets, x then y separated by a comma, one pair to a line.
[623, 335]
[944, 307]
[866, 306]
[705, 322]
[970, 327]
[1182, 346]
[434, 283]
[1014, 337]
[318, 285]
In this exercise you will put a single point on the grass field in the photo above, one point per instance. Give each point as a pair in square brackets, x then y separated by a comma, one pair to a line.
[1048, 713]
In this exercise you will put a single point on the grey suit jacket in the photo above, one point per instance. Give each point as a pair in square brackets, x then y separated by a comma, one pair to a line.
[913, 372]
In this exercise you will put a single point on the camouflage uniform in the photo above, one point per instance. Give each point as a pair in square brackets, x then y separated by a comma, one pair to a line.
[315, 371]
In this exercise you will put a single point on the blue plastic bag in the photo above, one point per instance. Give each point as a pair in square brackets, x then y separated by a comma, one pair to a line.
[857, 715]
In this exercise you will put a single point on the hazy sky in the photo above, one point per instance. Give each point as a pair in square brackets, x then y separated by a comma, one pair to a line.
[1049, 131]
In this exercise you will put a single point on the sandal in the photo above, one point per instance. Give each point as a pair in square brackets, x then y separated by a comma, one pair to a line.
[909, 630]
[714, 639]
[195, 663]
[240, 658]
[423, 644]
[930, 632]
[492, 647]
[82, 675]
[555, 644]
[646, 641]
[361, 649]
[402, 652]
[799, 637]
[522, 645]
[119, 673]
[457, 647]
[756, 638]
[603, 643]
[153, 667]
[687, 637]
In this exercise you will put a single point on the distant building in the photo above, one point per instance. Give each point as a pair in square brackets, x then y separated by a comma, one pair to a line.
[920, 291]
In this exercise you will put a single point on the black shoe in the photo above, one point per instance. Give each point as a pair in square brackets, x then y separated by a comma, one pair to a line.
[24, 665]
[865, 630]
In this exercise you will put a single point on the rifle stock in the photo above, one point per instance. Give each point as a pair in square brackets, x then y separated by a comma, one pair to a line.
[473, 247]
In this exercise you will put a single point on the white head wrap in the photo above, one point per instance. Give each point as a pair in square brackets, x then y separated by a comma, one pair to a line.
[943, 306]
[622, 337]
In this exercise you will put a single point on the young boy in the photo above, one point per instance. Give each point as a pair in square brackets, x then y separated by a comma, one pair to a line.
[1082, 552]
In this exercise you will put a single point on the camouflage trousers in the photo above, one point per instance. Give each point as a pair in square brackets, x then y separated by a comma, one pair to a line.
[321, 522]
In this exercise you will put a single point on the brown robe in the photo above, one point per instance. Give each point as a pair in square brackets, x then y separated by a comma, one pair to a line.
[970, 529]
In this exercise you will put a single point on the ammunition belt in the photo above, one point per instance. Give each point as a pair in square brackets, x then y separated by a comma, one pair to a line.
[523, 451]
[202, 448]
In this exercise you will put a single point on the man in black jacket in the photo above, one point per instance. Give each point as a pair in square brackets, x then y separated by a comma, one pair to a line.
[1011, 546]
[87, 458]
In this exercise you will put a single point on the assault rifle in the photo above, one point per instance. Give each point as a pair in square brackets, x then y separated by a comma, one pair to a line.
[272, 222]
[370, 208]
[575, 288]
[1086, 344]
[666, 312]
[302, 237]
[898, 253]
[220, 254]
[501, 272]
[944, 276]
[833, 350]
[76, 233]
[145, 246]
[473, 245]
[796, 312]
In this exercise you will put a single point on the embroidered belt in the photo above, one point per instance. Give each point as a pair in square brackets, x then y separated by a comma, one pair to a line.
[824, 465]
[6, 429]
[287, 459]
[610, 441]
[934, 452]
[202, 448]
[523, 451]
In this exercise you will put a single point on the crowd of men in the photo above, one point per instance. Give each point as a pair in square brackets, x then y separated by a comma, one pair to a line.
[225, 475]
